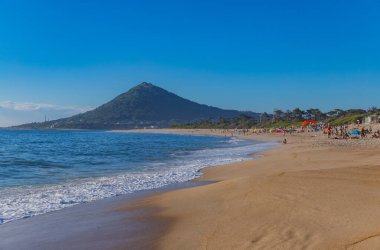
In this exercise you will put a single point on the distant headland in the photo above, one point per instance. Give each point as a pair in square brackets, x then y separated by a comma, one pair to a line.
[143, 106]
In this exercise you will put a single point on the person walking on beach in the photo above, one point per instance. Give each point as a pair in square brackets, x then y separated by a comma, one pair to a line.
[329, 132]
[363, 132]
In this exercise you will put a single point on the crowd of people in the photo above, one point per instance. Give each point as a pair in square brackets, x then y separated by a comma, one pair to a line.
[350, 132]
[353, 131]
[336, 132]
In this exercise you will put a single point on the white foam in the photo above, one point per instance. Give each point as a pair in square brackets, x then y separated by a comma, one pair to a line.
[26, 201]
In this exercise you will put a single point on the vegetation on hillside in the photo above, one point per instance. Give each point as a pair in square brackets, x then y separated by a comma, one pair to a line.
[282, 119]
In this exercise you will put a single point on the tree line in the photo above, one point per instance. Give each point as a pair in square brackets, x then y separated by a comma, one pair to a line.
[286, 118]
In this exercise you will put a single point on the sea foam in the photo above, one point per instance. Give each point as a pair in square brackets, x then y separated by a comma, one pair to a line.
[30, 200]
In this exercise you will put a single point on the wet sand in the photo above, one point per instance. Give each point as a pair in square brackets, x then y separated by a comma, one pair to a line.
[96, 225]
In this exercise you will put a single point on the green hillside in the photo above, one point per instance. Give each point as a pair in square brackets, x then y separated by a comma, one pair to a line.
[145, 105]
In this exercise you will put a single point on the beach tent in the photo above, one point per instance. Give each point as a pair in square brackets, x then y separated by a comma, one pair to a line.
[307, 122]
[354, 132]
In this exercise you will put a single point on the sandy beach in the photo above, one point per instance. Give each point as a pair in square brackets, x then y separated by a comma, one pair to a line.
[312, 193]
[190, 125]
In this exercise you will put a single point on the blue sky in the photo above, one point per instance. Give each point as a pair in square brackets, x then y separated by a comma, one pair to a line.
[247, 55]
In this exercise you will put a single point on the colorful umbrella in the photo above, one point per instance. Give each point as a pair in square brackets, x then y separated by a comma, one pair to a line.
[307, 122]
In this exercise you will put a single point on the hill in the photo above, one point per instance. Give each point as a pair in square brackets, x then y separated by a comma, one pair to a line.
[145, 105]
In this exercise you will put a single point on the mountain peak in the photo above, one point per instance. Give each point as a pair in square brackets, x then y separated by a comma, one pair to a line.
[145, 85]
[144, 105]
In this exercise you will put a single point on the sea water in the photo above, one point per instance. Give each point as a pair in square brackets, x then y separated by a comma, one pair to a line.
[44, 171]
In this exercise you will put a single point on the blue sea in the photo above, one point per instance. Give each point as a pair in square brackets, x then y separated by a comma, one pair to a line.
[44, 171]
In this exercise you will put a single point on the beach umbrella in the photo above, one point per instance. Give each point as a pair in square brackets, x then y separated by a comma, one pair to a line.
[321, 123]
[307, 122]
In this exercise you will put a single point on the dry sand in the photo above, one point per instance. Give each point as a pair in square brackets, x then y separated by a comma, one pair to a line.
[312, 193]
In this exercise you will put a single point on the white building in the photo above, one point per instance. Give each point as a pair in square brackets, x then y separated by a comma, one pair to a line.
[371, 119]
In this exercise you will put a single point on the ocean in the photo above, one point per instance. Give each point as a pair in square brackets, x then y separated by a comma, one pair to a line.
[44, 171]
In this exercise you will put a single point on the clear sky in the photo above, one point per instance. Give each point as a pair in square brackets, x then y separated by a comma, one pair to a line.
[249, 55]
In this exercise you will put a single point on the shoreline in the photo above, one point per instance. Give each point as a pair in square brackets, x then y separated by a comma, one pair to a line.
[187, 173]
[98, 224]
[48, 234]
[312, 193]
